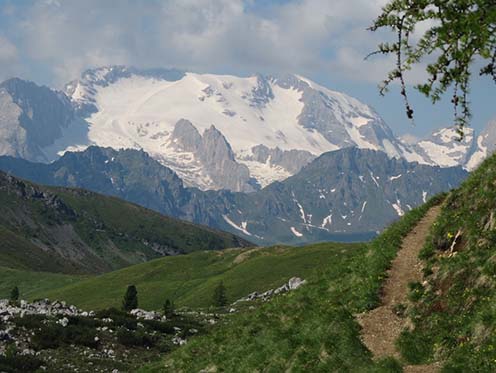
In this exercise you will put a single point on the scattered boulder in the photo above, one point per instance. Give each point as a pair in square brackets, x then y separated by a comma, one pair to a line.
[292, 284]
[146, 315]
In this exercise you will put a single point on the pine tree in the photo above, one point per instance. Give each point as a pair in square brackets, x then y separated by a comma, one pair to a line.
[220, 298]
[14, 294]
[130, 301]
[168, 308]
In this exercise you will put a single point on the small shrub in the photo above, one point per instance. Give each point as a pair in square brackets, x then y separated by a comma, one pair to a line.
[416, 349]
[159, 326]
[399, 309]
[30, 321]
[86, 322]
[48, 336]
[135, 338]
[19, 363]
[119, 318]
[416, 291]
[388, 365]
[54, 335]
[169, 308]
[82, 336]
[14, 294]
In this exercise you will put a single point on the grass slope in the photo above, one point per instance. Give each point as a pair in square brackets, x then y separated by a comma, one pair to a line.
[189, 280]
[76, 231]
[455, 312]
[311, 329]
[31, 284]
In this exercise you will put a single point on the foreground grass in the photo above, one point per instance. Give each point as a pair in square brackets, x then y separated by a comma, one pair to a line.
[311, 329]
[189, 280]
[455, 313]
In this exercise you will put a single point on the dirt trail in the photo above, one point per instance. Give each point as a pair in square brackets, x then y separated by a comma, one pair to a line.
[382, 326]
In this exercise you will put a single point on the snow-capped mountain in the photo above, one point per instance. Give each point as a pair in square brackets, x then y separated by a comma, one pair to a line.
[445, 148]
[486, 145]
[214, 131]
[290, 119]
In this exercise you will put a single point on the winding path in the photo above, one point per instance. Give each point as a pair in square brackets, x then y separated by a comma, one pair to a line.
[382, 326]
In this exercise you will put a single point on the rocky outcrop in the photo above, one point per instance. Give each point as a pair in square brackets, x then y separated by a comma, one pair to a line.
[291, 160]
[214, 154]
[9, 310]
[31, 118]
[292, 284]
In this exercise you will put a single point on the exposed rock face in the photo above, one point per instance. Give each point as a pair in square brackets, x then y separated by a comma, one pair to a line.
[215, 155]
[291, 160]
[186, 137]
[31, 118]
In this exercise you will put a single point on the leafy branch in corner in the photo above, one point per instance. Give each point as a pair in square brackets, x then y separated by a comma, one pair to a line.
[459, 33]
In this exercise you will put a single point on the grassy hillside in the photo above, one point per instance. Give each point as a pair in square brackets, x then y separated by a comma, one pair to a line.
[75, 231]
[189, 280]
[31, 284]
[455, 312]
[311, 329]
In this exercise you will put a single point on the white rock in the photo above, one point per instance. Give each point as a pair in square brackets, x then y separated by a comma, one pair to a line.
[64, 322]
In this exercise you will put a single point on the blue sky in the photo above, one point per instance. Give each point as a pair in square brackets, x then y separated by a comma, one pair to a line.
[52, 41]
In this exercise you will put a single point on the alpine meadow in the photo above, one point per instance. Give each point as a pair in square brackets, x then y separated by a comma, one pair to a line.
[248, 186]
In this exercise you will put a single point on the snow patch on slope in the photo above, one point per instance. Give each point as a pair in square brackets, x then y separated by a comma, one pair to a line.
[241, 228]
[295, 232]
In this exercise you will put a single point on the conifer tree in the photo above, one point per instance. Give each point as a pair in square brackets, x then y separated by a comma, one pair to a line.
[130, 300]
[168, 308]
[220, 298]
[14, 294]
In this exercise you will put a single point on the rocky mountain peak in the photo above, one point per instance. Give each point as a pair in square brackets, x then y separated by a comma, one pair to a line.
[31, 118]
[186, 136]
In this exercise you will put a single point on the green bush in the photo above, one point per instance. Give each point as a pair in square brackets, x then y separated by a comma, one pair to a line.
[119, 318]
[30, 321]
[414, 348]
[159, 326]
[54, 335]
[135, 338]
[19, 363]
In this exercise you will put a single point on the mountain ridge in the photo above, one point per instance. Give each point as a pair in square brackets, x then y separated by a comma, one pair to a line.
[338, 196]
[77, 231]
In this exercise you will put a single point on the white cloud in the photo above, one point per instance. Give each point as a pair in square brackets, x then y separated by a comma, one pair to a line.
[302, 36]
[8, 51]
[9, 56]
